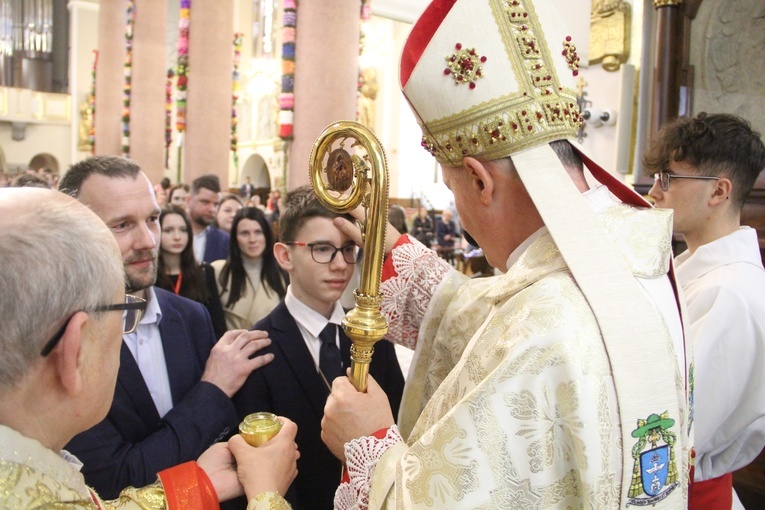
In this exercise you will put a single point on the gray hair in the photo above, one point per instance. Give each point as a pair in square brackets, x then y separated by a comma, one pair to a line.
[57, 258]
[108, 166]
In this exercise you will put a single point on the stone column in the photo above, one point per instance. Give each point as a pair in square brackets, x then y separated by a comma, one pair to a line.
[208, 126]
[668, 62]
[110, 76]
[326, 75]
[147, 105]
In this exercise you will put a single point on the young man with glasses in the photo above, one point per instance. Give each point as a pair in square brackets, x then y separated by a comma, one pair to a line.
[309, 345]
[61, 341]
[173, 394]
[705, 167]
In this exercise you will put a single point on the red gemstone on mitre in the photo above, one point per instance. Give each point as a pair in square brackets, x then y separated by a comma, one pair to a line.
[483, 60]
[576, 73]
[458, 46]
[472, 85]
[447, 71]
[568, 38]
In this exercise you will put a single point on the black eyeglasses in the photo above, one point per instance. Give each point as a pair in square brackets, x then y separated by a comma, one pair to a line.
[132, 313]
[324, 253]
[663, 178]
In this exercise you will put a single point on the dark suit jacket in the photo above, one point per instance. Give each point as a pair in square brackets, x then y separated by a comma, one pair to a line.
[217, 245]
[290, 386]
[133, 443]
[246, 190]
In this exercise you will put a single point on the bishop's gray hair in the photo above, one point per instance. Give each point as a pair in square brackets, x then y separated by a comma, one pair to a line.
[57, 258]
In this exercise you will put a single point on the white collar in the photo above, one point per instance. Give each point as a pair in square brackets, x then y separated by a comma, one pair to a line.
[310, 319]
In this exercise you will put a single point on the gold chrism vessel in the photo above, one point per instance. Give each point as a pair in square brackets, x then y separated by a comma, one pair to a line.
[259, 428]
[347, 170]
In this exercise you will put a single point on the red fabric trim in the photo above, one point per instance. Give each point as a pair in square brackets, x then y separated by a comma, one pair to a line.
[420, 36]
[388, 271]
[188, 486]
[380, 434]
[614, 185]
[714, 494]
[95, 499]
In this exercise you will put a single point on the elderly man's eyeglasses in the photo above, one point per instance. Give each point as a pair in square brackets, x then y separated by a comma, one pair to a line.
[132, 312]
[663, 178]
[324, 253]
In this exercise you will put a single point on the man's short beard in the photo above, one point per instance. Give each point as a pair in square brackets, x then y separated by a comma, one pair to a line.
[201, 220]
[131, 285]
[142, 280]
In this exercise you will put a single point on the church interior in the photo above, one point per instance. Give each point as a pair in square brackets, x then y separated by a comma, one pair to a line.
[242, 88]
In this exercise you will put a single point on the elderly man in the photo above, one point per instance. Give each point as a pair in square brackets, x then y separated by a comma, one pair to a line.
[61, 343]
[560, 384]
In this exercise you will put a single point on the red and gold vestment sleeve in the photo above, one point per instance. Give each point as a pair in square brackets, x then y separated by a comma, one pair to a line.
[411, 274]
[188, 486]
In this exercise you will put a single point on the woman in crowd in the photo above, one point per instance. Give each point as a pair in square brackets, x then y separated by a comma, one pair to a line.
[177, 195]
[227, 208]
[250, 283]
[177, 270]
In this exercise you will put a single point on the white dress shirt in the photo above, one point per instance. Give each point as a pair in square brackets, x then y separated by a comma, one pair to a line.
[311, 323]
[200, 243]
[145, 344]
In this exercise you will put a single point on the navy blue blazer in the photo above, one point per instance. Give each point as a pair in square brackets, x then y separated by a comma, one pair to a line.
[217, 245]
[291, 386]
[133, 443]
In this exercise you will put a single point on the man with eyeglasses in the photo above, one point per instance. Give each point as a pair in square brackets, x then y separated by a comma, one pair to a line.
[705, 167]
[175, 383]
[60, 340]
[309, 344]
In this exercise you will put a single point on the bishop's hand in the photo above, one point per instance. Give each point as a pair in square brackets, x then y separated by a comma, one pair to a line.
[350, 414]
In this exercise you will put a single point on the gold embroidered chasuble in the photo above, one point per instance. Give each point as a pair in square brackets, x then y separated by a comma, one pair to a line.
[34, 477]
[511, 401]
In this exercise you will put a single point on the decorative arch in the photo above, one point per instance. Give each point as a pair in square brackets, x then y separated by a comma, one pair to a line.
[44, 160]
[257, 170]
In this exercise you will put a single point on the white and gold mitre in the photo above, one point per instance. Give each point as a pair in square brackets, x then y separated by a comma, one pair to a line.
[490, 78]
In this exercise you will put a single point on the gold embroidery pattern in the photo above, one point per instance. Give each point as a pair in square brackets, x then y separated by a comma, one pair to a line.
[548, 420]
[151, 497]
[464, 66]
[541, 112]
[440, 465]
[22, 487]
[268, 501]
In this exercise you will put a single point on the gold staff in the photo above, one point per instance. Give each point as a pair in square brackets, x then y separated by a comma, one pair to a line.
[343, 181]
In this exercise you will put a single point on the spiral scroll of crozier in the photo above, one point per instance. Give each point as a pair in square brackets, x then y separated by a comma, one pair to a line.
[347, 169]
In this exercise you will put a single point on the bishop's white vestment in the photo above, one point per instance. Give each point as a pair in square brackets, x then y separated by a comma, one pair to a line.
[510, 401]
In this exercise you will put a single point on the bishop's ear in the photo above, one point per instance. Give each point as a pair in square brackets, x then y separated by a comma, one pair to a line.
[481, 179]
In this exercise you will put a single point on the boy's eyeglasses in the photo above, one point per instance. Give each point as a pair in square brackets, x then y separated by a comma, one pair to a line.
[324, 253]
[664, 178]
[132, 313]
